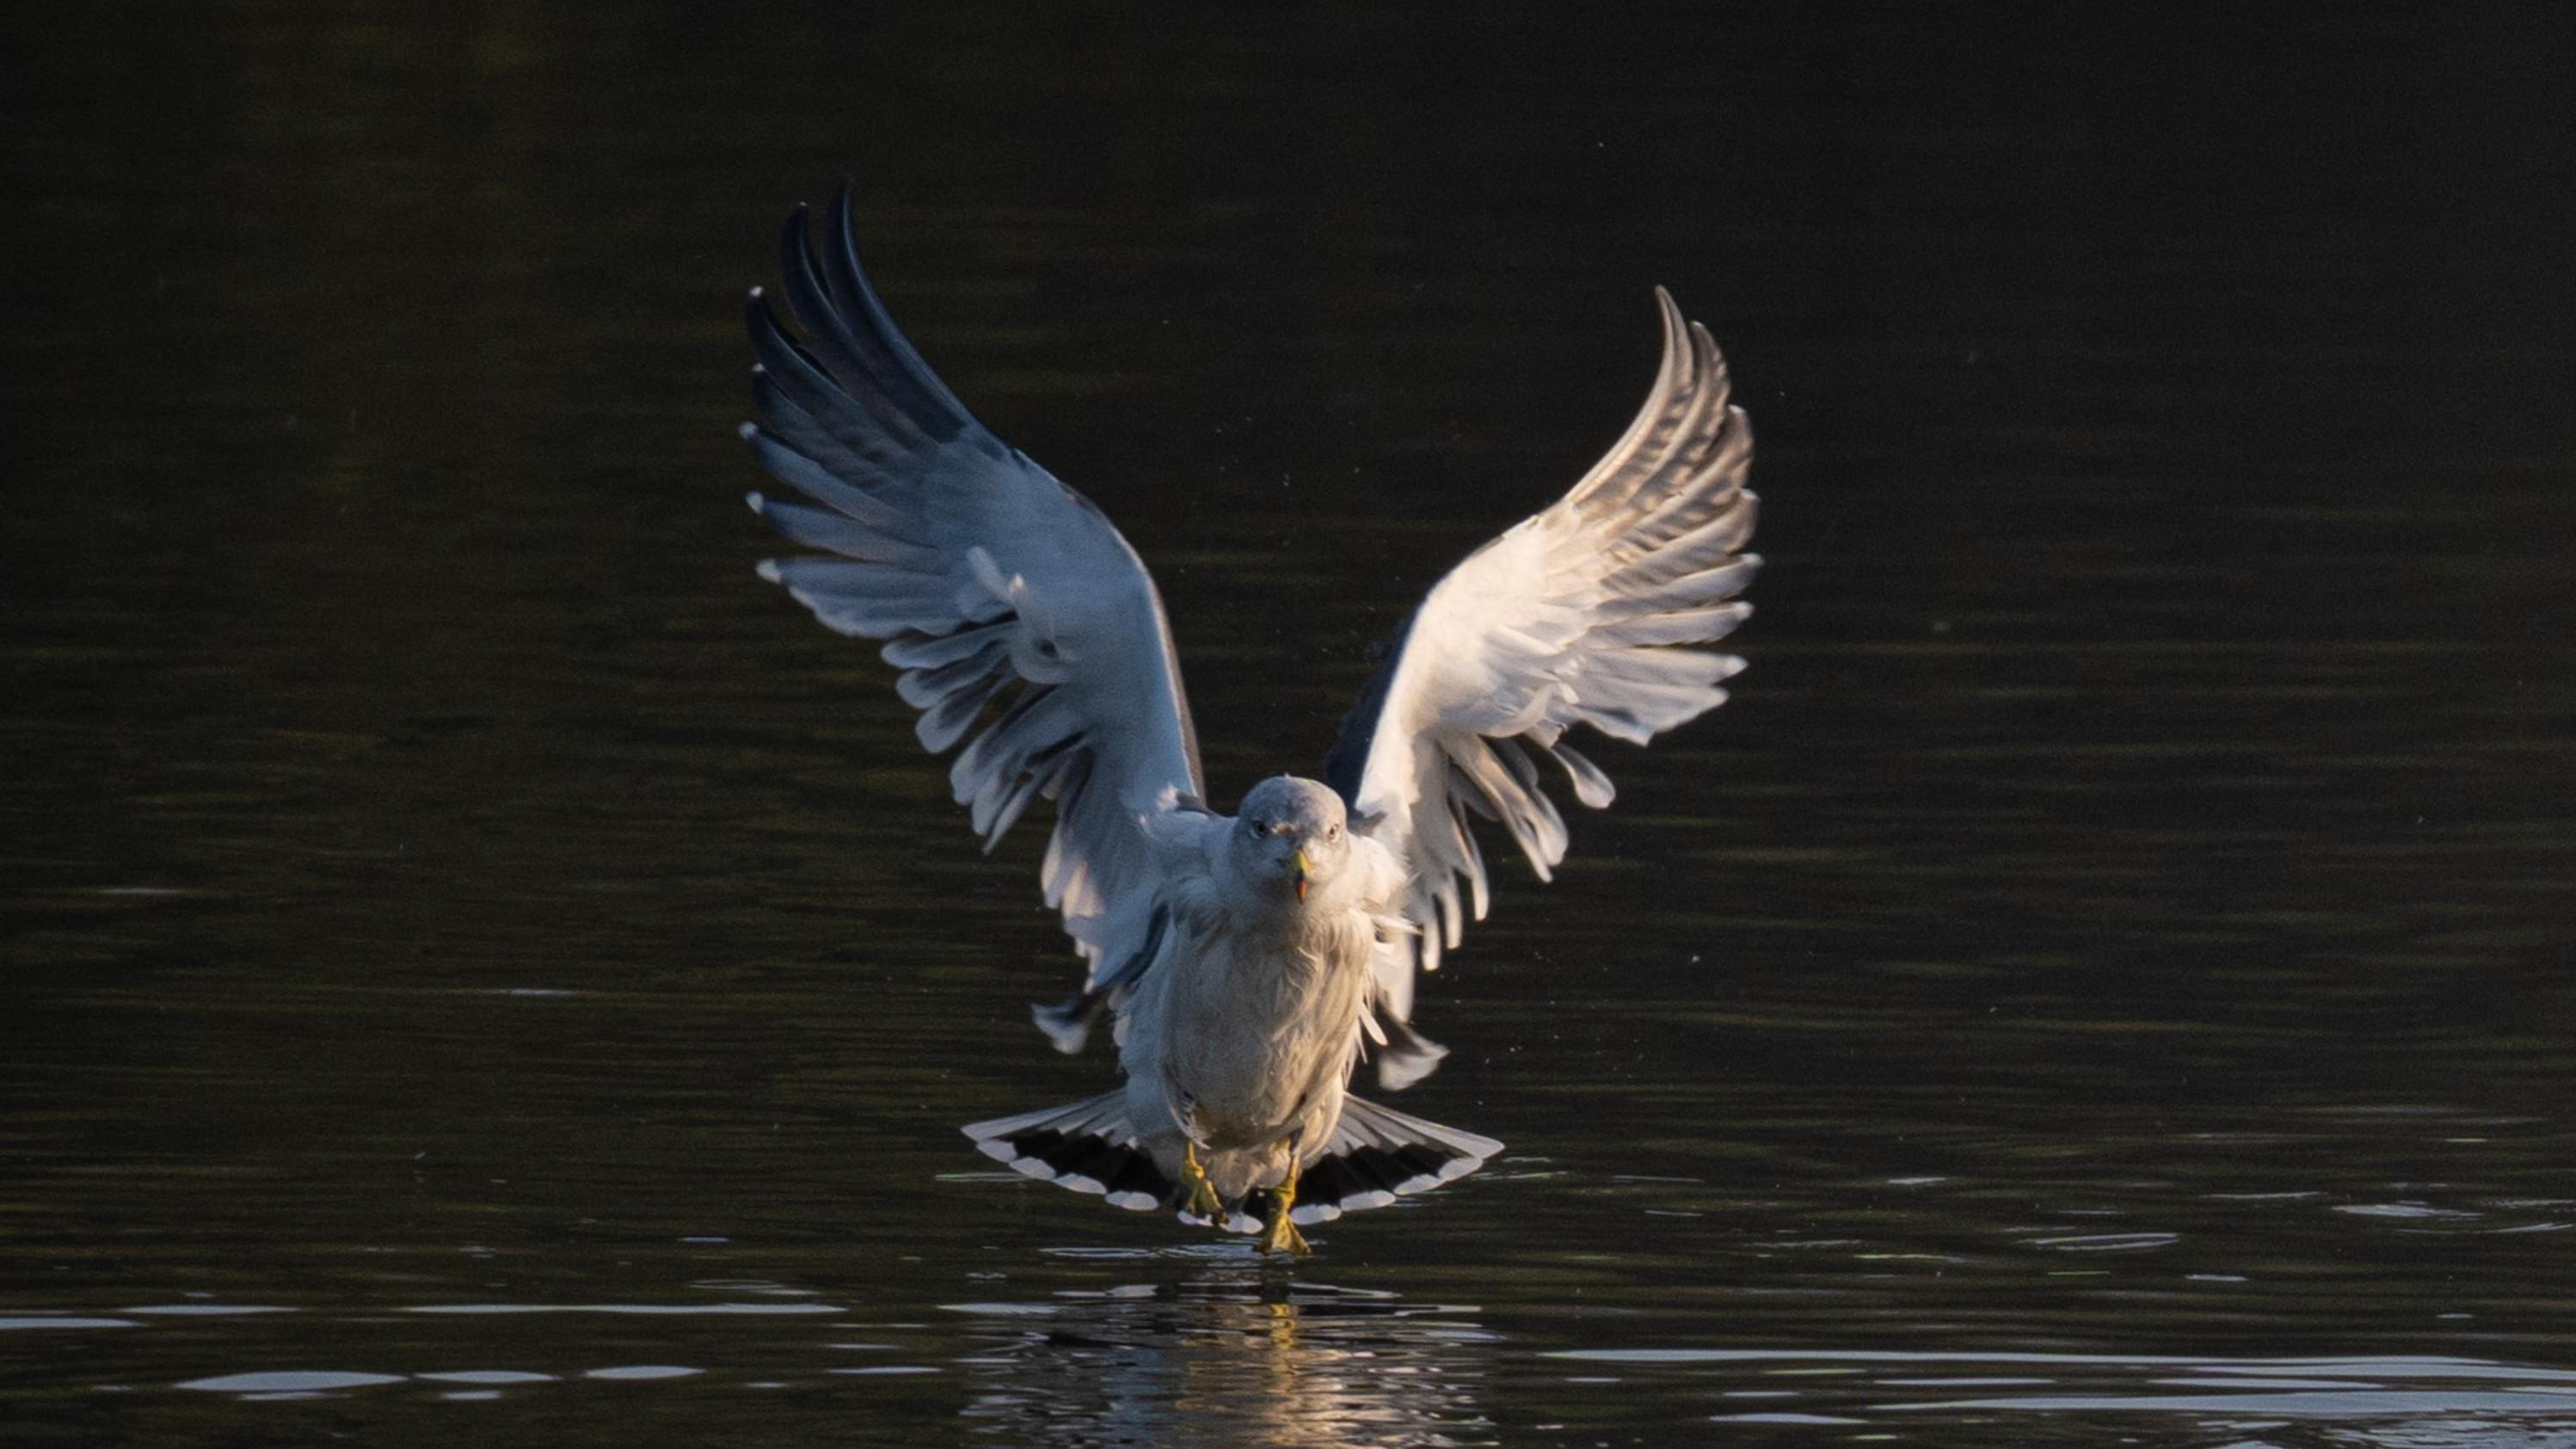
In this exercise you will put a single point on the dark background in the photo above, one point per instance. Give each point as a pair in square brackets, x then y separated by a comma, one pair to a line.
[2123, 918]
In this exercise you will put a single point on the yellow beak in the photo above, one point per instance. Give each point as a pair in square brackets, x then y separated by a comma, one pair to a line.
[1305, 868]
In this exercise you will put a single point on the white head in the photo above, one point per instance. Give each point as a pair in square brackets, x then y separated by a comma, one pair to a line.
[1290, 835]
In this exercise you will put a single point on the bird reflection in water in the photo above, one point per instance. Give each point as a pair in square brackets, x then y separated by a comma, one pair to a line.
[1233, 1355]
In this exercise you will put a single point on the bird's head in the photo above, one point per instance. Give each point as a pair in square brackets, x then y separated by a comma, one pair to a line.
[1293, 833]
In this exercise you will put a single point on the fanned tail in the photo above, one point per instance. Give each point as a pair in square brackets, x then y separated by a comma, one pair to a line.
[1088, 1146]
[1377, 1155]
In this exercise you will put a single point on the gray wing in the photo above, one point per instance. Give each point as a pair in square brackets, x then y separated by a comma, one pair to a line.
[1585, 614]
[1023, 623]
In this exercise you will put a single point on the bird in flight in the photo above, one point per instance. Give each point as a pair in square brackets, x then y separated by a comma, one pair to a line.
[1247, 963]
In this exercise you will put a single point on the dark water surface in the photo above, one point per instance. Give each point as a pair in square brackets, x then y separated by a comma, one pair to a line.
[479, 966]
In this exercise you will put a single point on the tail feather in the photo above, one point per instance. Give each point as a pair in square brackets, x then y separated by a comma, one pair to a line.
[1088, 1146]
[1377, 1155]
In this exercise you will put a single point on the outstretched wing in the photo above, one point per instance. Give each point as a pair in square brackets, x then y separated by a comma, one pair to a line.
[1584, 614]
[1022, 622]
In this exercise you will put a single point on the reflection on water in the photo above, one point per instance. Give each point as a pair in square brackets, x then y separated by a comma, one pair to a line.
[1235, 1353]
[1195, 1346]
[1211, 1346]
[2381, 1400]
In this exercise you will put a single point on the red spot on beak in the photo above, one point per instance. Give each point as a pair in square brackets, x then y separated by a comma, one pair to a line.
[1301, 889]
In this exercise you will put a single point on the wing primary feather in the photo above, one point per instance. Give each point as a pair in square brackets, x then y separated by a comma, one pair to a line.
[829, 338]
[856, 598]
[797, 427]
[816, 482]
[1717, 538]
[1682, 626]
[798, 374]
[895, 364]
[1650, 414]
[1702, 398]
[846, 536]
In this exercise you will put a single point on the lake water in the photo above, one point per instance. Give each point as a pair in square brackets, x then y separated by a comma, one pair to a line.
[481, 967]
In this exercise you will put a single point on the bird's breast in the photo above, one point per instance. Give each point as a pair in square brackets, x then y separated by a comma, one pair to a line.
[1265, 1020]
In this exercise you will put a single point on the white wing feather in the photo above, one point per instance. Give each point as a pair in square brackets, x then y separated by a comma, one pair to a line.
[1023, 622]
[1584, 614]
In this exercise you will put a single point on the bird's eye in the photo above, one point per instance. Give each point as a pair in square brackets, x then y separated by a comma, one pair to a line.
[1332, 832]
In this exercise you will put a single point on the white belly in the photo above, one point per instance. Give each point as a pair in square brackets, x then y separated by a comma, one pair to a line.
[1252, 1038]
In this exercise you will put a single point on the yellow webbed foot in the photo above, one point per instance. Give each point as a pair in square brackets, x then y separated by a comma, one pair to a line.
[1280, 1235]
[1199, 1198]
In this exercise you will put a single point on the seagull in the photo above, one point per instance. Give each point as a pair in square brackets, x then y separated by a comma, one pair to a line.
[1248, 963]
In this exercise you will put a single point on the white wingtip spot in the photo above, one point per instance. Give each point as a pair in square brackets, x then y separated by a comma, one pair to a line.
[995, 1148]
[1032, 1167]
[746, 431]
[768, 569]
[755, 500]
[1135, 1202]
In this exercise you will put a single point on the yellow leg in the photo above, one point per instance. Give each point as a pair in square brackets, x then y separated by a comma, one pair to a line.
[1200, 1200]
[1280, 1235]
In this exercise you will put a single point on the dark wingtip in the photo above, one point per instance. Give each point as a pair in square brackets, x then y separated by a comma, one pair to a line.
[796, 237]
[843, 222]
